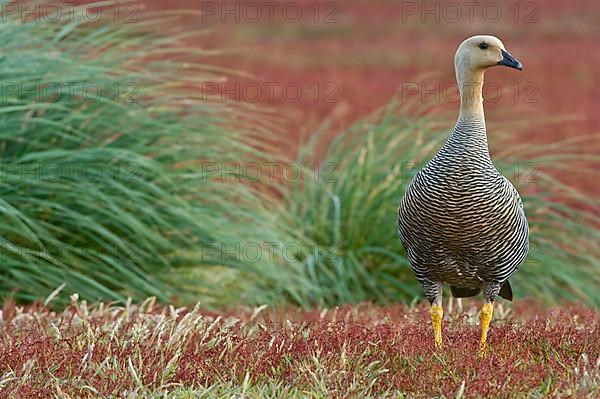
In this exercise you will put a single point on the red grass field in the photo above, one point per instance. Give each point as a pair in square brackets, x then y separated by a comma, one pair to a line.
[348, 352]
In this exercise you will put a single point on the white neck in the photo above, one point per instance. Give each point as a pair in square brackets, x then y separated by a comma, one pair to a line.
[470, 135]
[470, 84]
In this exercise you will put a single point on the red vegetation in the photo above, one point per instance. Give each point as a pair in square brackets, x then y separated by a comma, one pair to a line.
[360, 350]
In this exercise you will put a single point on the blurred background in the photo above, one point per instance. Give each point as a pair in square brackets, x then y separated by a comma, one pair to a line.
[248, 152]
[360, 54]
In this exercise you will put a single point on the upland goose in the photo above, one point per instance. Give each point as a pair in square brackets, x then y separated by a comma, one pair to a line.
[460, 221]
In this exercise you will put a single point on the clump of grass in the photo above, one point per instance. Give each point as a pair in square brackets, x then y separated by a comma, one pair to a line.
[354, 351]
[342, 219]
[100, 132]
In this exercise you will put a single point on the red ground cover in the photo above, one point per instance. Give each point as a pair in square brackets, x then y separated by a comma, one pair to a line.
[107, 350]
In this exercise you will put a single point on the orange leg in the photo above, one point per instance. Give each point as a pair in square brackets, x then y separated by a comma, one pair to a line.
[486, 317]
[437, 314]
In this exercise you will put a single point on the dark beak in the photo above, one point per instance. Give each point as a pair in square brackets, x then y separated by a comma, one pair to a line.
[510, 61]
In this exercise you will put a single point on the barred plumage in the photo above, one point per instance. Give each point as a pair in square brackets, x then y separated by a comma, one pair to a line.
[461, 222]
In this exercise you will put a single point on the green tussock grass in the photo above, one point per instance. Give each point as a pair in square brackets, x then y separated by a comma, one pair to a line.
[99, 136]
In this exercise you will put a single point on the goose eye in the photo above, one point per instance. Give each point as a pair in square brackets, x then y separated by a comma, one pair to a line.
[483, 45]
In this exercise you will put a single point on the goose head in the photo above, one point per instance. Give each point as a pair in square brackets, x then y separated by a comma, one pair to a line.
[473, 57]
[478, 53]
